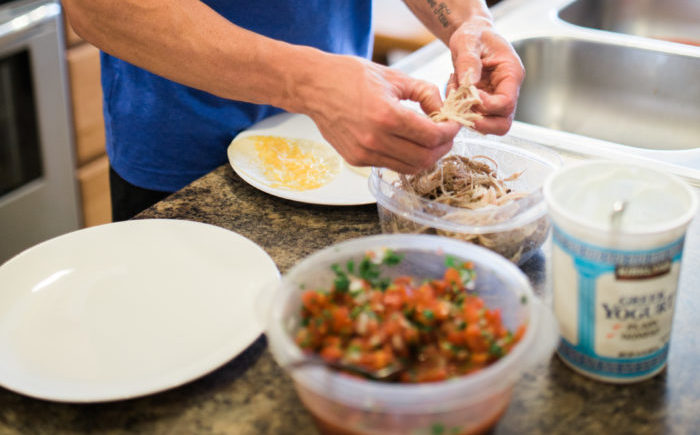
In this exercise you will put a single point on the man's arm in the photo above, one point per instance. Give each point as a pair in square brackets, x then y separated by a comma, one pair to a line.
[354, 103]
[444, 17]
[188, 42]
[480, 55]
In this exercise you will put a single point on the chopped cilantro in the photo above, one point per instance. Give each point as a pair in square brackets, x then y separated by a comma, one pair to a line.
[437, 429]
[356, 311]
[451, 261]
[371, 272]
[466, 274]
[391, 258]
[383, 283]
[341, 282]
[495, 350]
[368, 270]
[356, 293]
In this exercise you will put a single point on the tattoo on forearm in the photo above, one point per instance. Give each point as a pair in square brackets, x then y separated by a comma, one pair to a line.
[440, 10]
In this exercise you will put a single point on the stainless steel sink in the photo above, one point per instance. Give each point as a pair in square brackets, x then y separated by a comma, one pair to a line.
[593, 93]
[637, 97]
[676, 20]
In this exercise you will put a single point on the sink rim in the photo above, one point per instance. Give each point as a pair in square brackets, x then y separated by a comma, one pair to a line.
[562, 10]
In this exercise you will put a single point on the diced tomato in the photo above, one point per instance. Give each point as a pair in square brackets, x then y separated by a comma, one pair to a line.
[432, 374]
[403, 281]
[426, 292]
[455, 337]
[452, 276]
[493, 317]
[394, 298]
[314, 301]
[474, 338]
[331, 353]
[382, 358]
[342, 323]
[440, 286]
[441, 310]
[480, 358]
[437, 328]
[472, 312]
[411, 335]
[332, 340]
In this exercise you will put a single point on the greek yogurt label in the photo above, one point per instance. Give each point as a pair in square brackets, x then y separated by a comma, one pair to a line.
[615, 307]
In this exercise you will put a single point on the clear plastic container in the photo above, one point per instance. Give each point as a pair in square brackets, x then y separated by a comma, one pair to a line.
[464, 405]
[515, 230]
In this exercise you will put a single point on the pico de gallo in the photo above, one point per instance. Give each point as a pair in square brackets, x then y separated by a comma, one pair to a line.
[432, 329]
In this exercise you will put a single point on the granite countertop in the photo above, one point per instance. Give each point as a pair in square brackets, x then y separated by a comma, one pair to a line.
[252, 395]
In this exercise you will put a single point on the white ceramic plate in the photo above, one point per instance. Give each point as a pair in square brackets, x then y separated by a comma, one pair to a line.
[349, 187]
[127, 309]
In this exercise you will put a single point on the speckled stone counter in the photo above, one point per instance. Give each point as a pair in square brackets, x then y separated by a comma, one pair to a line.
[251, 394]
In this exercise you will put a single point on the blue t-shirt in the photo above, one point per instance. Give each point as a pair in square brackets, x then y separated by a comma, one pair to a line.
[162, 135]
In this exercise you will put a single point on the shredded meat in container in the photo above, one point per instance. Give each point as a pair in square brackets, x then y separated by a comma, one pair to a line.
[477, 196]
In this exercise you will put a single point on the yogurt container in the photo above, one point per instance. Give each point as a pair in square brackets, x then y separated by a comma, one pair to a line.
[618, 232]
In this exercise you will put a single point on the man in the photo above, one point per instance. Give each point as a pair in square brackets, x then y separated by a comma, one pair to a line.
[182, 77]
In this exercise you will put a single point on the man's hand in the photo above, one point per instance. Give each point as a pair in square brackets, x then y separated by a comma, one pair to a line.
[483, 57]
[356, 104]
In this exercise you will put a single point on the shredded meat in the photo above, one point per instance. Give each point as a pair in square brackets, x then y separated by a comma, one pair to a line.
[462, 182]
[459, 105]
[480, 197]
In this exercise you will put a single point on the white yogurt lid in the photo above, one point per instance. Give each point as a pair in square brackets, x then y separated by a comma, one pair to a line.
[654, 201]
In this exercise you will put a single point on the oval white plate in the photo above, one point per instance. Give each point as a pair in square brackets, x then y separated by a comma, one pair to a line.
[349, 187]
[127, 309]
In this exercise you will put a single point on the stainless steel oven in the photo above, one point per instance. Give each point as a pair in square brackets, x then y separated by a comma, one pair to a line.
[38, 191]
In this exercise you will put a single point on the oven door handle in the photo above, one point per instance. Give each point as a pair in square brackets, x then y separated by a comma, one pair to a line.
[23, 23]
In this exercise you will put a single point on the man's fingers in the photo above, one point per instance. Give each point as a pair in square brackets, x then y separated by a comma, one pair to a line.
[451, 84]
[423, 159]
[423, 131]
[467, 64]
[398, 154]
[498, 125]
[417, 128]
[422, 92]
[497, 104]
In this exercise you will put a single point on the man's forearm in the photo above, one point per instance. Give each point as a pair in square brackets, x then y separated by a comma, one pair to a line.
[187, 42]
[443, 17]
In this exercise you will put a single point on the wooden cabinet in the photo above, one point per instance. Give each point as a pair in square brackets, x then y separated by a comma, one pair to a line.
[92, 172]
[93, 179]
[86, 98]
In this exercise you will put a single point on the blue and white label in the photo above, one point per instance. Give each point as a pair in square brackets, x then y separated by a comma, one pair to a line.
[614, 307]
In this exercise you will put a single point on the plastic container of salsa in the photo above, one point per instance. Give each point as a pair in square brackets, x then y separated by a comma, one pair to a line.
[472, 403]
